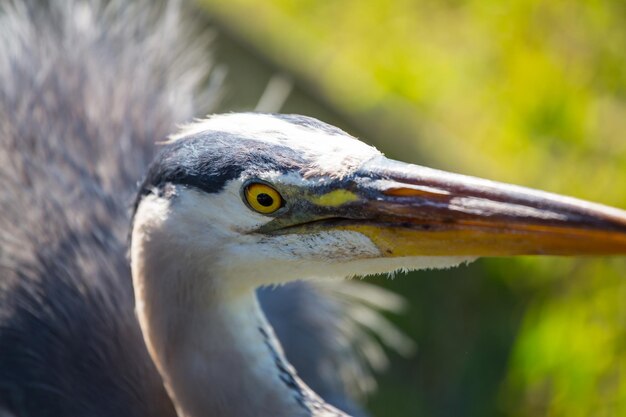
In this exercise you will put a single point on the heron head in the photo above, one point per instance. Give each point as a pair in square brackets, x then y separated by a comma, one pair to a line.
[273, 198]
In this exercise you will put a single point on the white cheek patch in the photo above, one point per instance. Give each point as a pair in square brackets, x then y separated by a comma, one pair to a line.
[278, 259]
[223, 210]
[197, 223]
[325, 246]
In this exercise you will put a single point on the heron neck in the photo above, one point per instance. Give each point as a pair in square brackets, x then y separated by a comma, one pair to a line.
[215, 350]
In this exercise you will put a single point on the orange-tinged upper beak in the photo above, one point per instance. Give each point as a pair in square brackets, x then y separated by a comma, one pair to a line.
[408, 210]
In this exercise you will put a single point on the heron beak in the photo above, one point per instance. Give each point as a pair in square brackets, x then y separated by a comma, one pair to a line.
[408, 210]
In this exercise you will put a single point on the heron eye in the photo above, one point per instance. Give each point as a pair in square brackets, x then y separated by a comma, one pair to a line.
[263, 198]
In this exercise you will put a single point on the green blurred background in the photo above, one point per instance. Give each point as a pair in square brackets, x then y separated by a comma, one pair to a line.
[531, 92]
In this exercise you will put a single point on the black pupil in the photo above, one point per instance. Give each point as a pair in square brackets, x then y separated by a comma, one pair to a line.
[265, 199]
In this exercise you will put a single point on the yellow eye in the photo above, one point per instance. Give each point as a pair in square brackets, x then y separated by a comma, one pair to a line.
[263, 198]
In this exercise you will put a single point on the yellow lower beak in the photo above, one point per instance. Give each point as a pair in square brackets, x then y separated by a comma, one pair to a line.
[503, 241]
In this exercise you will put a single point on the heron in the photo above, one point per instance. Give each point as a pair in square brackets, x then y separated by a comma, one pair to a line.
[228, 203]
